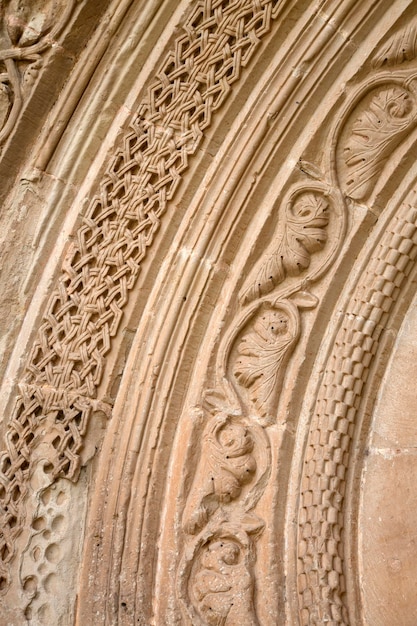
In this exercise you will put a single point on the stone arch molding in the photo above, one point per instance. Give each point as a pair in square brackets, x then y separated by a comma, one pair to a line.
[223, 260]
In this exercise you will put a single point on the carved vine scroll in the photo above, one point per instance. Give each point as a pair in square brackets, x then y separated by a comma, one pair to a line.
[215, 577]
[304, 232]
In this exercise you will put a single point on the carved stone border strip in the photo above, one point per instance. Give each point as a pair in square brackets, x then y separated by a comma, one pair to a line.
[321, 520]
[215, 578]
[84, 313]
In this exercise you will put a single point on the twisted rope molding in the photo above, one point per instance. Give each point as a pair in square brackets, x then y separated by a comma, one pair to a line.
[321, 519]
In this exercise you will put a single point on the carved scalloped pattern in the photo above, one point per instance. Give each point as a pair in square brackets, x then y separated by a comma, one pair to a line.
[83, 315]
[320, 545]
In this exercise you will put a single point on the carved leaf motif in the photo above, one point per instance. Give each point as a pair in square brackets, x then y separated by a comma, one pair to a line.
[227, 463]
[303, 233]
[375, 134]
[261, 353]
[223, 588]
[27, 22]
[399, 48]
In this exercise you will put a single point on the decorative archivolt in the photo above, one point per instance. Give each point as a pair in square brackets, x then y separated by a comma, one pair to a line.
[384, 115]
[65, 366]
[251, 368]
[221, 526]
[235, 462]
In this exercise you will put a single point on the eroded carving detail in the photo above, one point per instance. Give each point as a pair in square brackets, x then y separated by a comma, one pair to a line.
[250, 371]
[84, 313]
[400, 47]
[376, 131]
[320, 547]
[263, 349]
[29, 29]
[226, 465]
[217, 583]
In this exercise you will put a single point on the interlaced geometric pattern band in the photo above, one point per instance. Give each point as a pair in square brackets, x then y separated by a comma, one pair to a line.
[84, 312]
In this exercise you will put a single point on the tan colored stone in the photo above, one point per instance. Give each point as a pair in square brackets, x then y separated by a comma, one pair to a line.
[208, 252]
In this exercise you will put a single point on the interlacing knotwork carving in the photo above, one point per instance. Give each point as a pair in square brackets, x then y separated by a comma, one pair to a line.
[28, 29]
[83, 315]
[321, 521]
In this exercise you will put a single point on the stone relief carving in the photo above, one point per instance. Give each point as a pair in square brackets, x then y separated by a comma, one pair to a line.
[227, 464]
[321, 520]
[388, 116]
[29, 30]
[255, 356]
[399, 48]
[382, 116]
[304, 232]
[381, 119]
[216, 581]
[65, 366]
[263, 348]
[251, 362]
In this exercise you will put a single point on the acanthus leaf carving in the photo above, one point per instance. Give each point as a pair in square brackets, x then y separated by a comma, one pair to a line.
[385, 117]
[234, 464]
[400, 47]
[302, 233]
[261, 353]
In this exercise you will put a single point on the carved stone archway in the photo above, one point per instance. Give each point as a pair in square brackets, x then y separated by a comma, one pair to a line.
[210, 234]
